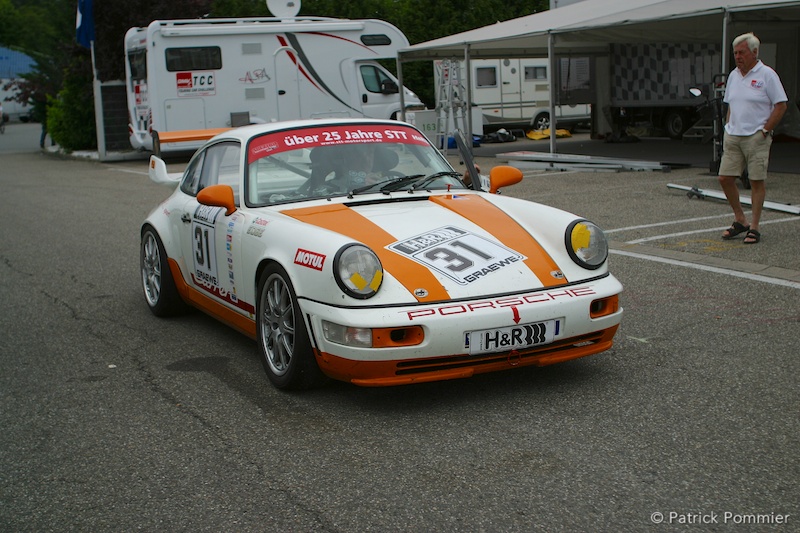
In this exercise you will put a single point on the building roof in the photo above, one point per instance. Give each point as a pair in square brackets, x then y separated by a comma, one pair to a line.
[589, 25]
[13, 63]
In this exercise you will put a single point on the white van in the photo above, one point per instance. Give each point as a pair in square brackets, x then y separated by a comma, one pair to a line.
[216, 73]
[517, 91]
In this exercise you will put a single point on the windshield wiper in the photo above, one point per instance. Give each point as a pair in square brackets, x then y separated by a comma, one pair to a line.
[434, 177]
[385, 185]
[398, 183]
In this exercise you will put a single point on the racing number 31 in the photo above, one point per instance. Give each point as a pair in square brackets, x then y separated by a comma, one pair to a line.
[205, 263]
[455, 261]
[203, 250]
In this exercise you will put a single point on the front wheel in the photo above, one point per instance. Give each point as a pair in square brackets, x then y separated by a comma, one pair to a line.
[283, 341]
[675, 124]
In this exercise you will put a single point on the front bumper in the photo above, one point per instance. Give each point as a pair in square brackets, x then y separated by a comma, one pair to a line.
[586, 329]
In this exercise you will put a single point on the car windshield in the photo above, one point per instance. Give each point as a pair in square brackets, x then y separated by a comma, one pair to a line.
[343, 160]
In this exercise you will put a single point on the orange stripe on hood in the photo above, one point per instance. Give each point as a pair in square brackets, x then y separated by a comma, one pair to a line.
[506, 230]
[342, 219]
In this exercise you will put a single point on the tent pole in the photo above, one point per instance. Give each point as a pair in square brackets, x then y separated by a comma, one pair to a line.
[551, 59]
[402, 91]
[468, 97]
[724, 58]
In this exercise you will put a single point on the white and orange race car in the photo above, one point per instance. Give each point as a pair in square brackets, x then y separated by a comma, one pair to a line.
[351, 249]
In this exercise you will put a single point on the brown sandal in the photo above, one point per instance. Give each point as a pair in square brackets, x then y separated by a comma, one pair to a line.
[753, 235]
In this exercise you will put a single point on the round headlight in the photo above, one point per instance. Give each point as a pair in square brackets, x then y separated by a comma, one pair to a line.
[586, 244]
[358, 271]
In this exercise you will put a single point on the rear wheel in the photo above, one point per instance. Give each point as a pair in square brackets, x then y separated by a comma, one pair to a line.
[541, 121]
[283, 340]
[160, 291]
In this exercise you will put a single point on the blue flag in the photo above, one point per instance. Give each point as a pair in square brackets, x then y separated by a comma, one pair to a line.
[84, 23]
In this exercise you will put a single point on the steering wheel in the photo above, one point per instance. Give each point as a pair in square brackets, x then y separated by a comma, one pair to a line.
[312, 183]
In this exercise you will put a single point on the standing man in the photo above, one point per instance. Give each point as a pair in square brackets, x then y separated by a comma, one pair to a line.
[756, 103]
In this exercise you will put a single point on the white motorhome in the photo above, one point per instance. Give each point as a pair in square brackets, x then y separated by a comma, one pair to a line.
[517, 92]
[216, 73]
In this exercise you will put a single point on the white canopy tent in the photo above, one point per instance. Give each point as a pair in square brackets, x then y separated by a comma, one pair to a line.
[588, 27]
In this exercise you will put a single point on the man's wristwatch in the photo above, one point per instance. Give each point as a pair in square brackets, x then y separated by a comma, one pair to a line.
[766, 133]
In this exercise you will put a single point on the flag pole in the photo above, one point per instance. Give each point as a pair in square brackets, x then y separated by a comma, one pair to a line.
[99, 121]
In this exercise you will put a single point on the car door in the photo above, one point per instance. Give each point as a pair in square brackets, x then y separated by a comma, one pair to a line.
[210, 239]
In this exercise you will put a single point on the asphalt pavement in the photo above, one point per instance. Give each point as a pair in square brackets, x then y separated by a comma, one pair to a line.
[115, 420]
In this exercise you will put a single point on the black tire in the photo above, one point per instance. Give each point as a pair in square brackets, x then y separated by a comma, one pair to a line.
[541, 122]
[675, 124]
[160, 291]
[283, 341]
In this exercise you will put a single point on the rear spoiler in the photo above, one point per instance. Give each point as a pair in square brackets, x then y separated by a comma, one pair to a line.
[160, 137]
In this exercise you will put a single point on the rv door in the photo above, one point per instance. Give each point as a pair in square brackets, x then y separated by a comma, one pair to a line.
[288, 100]
[511, 89]
[378, 91]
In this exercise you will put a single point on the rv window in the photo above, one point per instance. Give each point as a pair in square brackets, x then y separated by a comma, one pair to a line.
[373, 78]
[376, 40]
[138, 65]
[535, 73]
[486, 77]
[198, 58]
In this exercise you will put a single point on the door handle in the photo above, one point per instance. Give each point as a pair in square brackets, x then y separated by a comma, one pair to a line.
[186, 218]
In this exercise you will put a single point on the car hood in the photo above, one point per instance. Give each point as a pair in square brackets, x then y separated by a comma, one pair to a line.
[452, 246]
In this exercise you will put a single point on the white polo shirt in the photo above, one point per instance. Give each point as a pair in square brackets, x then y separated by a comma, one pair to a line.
[751, 98]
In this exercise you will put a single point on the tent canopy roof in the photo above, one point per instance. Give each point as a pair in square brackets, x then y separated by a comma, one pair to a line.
[588, 26]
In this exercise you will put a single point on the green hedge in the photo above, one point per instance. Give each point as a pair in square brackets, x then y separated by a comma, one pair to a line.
[70, 116]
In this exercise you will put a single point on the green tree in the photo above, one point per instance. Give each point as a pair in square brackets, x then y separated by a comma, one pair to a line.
[114, 18]
[45, 30]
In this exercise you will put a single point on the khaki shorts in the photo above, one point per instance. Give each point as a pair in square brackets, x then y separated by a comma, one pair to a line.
[750, 152]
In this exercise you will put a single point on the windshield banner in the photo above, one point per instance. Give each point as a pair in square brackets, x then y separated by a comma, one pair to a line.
[335, 134]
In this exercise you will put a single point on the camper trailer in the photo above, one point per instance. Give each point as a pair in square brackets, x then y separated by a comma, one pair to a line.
[217, 73]
[517, 92]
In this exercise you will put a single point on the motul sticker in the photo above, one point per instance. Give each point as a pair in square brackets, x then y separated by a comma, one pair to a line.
[195, 83]
[309, 259]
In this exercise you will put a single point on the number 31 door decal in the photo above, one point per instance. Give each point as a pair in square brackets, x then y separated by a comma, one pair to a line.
[204, 252]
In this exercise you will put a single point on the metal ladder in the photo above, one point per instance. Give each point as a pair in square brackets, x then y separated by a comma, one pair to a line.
[450, 107]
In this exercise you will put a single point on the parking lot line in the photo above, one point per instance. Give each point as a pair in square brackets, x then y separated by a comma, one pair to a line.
[668, 223]
[705, 230]
[708, 268]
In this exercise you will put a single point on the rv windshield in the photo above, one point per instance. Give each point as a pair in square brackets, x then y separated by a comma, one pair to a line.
[310, 163]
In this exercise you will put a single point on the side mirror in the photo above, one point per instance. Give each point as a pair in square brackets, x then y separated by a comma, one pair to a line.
[503, 176]
[389, 87]
[218, 196]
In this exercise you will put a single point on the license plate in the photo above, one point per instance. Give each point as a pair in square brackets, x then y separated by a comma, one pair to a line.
[512, 337]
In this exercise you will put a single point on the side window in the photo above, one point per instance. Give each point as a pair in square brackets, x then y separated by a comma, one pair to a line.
[221, 166]
[193, 58]
[535, 73]
[486, 77]
[191, 176]
[373, 77]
